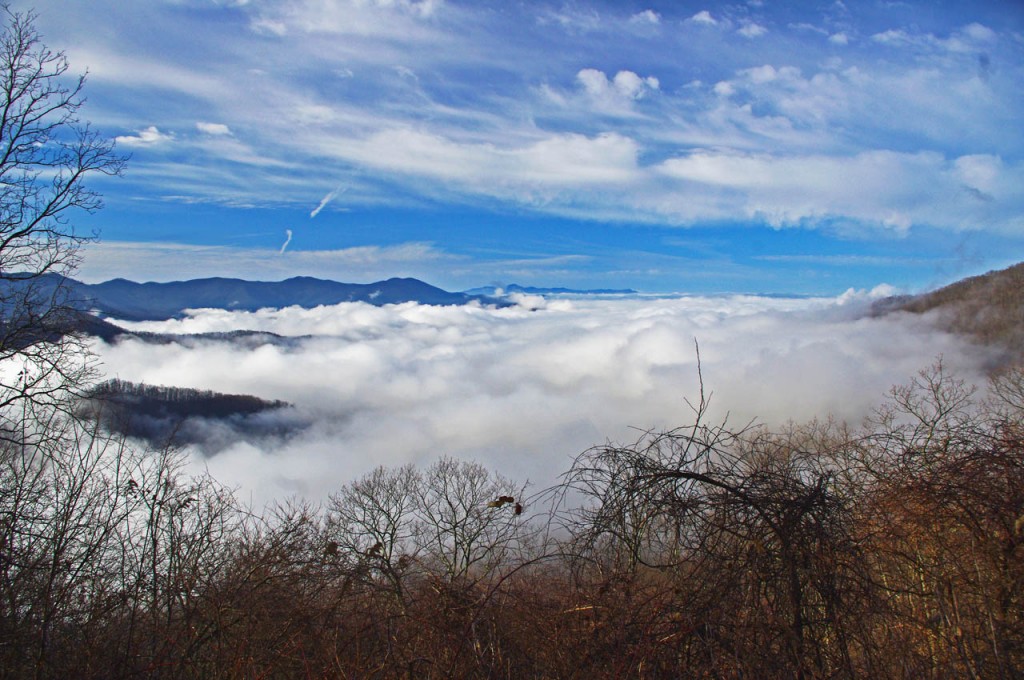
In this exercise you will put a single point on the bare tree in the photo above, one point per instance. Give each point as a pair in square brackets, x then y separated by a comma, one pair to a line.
[945, 510]
[46, 154]
[469, 522]
[61, 493]
[737, 544]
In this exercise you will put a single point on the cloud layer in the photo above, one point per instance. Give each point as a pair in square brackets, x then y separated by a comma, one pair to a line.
[378, 94]
[539, 129]
[524, 391]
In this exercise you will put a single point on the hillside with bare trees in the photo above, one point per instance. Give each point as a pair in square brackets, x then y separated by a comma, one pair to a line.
[989, 308]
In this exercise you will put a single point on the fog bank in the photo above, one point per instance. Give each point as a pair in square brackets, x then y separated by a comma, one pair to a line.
[523, 391]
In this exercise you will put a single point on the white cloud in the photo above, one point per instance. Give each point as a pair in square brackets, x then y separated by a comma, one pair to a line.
[517, 140]
[573, 19]
[839, 39]
[523, 392]
[529, 172]
[965, 40]
[646, 17]
[879, 187]
[761, 74]
[426, 8]
[558, 173]
[148, 137]
[751, 30]
[421, 153]
[575, 159]
[215, 129]
[724, 89]
[405, 20]
[633, 86]
[593, 81]
[854, 296]
[624, 87]
[268, 26]
[804, 26]
[704, 17]
[980, 172]
[136, 71]
[979, 32]
[892, 37]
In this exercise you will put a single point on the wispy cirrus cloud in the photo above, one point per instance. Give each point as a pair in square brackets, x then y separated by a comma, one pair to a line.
[359, 130]
[216, 129]
[402, 19]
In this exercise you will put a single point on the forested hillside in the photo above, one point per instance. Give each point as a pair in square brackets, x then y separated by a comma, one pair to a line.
[165, 416]
[989, 308]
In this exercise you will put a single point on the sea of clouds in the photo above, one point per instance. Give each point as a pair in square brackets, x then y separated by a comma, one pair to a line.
[525, 389]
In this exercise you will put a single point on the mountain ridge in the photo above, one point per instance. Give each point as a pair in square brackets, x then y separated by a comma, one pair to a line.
[157, 301]
[490, 291]
[989, 308]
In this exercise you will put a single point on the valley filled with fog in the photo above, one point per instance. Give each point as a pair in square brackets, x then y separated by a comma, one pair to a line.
[522, 389]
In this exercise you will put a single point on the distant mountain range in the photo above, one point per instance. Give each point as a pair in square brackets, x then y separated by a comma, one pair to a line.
[131, 301]
[491, 291]
[989, 308]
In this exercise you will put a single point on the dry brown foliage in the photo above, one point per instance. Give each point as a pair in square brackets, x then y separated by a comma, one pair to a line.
[892, 551]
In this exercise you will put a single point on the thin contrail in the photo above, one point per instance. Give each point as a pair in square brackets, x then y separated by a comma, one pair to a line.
[326, 199]
[286, 241]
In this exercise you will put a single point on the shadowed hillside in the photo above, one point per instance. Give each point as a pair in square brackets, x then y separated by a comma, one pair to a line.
[156, 301]
[160, 415]
[989, 308]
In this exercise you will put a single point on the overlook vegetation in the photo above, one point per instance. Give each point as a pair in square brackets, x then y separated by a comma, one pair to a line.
[819, 550]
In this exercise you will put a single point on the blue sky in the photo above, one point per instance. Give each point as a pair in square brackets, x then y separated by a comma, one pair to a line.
[753, 146]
